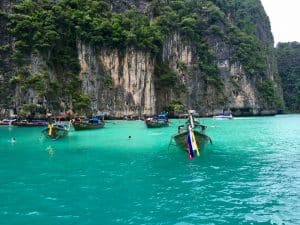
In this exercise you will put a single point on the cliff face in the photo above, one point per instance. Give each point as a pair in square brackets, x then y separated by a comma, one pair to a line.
[238, 94]
[6, 68]
[132, 91]
[119, 83]
[238, 89]
[124, 81]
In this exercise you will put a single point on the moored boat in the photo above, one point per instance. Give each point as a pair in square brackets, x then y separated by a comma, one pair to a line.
[157, 121]
[190, 139]
[223, 116]
[32, 123]
[84, 123]
[181, 139]
[56, 130]
[7, 121]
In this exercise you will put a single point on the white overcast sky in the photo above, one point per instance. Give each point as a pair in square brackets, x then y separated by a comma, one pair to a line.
[285, 19]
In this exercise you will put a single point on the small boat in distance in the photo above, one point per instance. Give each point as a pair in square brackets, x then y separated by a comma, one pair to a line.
[56, 130]
[223, 116]
[7, 121]
[84, 123]
[157, 121]
[32, 123]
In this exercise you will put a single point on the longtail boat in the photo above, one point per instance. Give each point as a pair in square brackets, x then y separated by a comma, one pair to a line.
[56, 130]
[84, 123]
[201, 139]
[190, 139]
[157, 121]
[7, 121]
[32, 123]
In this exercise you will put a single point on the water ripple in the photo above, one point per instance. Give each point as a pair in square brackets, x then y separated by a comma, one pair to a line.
[250, 175]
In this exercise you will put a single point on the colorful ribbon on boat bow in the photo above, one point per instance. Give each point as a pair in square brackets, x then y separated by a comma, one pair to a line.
[192, 144]
[50, 129]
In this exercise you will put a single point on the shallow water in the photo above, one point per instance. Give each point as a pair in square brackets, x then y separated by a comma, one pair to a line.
[250, 175]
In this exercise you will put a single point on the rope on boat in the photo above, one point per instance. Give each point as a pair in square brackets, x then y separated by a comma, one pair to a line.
[210, 141]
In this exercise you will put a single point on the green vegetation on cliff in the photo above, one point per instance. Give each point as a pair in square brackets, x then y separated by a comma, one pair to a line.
[54, 28]
[288, 55]
[5, 50]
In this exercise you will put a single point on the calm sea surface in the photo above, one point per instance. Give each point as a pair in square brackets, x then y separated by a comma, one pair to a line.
[250, 175]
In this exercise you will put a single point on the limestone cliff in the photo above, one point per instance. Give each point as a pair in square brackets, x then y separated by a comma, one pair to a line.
[119, 83]
[288, 55]
[6, 69]
[239, 90]
[214, 67]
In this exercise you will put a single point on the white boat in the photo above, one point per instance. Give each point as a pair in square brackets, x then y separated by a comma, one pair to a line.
[223, 116]
[7, 121]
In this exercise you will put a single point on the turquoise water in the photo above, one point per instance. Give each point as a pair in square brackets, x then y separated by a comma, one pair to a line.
[250, 175]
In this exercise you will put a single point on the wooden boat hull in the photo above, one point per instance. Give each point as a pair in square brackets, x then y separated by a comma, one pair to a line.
[157, 121]
[181, 139]
[156, 124]
[87, 126]
[57, 132]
